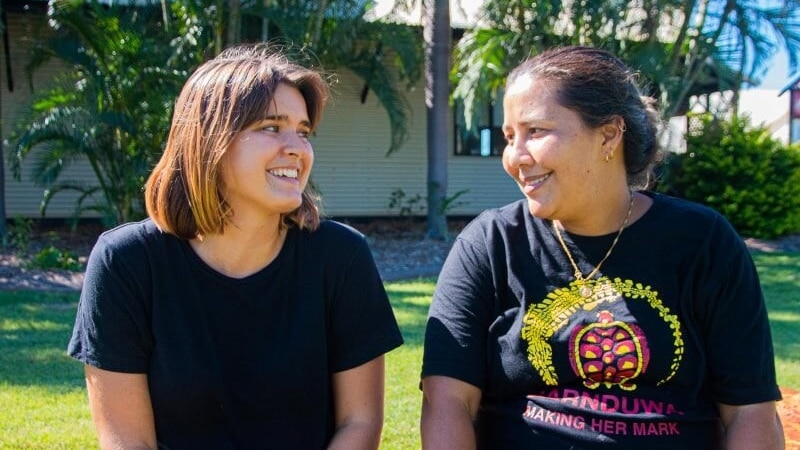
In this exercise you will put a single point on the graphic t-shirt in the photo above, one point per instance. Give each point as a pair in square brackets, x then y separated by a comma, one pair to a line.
[234, 363]
[673, 324]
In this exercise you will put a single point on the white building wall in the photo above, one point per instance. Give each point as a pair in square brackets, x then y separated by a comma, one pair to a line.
[357, 178]
[766, 108]
[23, 197]
[352, 170]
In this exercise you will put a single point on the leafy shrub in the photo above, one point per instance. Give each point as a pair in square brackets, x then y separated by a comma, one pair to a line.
[740, 171]
[19, 234]
[53, 258]
[453, 201]
[406, 205]
[110, 111]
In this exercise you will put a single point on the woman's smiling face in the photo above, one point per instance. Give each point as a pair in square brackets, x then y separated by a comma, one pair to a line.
[269, 163]
[550, 153]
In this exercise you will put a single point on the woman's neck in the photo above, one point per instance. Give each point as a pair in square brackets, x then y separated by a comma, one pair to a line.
[609, 220]
[241, 251]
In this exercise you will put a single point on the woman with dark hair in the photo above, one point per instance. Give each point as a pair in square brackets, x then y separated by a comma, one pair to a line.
[234, 317]
[593, 313]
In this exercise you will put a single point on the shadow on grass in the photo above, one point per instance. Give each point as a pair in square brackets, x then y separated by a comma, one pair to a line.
[35, 328]
[410, 301]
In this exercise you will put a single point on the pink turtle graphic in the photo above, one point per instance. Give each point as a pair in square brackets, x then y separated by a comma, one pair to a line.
[608, 352]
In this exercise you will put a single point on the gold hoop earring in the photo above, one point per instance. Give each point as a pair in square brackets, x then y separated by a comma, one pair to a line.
[609, 156]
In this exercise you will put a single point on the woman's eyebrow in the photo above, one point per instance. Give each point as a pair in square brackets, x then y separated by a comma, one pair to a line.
[277, 117]
[285, 118]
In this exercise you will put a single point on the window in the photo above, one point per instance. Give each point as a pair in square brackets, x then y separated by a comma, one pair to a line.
[486, 136]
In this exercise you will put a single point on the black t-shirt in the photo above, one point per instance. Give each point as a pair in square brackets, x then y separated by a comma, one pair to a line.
[234, 363]
[676, 323]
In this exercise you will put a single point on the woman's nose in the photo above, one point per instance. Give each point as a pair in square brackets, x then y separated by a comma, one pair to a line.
[517, 153]
[294, 144]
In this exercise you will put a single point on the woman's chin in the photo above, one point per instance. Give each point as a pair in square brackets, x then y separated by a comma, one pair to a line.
[539, 210]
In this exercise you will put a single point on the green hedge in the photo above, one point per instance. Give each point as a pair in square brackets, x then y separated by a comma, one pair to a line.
[740, 171]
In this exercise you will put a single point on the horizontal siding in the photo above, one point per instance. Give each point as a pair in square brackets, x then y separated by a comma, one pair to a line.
[357, 178]
[351, 170]
[488, 184]
[23, 197]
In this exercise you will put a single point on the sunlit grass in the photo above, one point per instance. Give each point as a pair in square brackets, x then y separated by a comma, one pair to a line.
[780, 278]
[410, 301]
[42, 396]
[43, 399]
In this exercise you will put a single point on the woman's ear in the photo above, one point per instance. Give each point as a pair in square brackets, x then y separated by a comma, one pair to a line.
[613, 133]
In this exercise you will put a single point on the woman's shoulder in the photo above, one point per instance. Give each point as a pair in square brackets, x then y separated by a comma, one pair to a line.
[512, 216]
[509, 214]
[131, 235]
[690, 220]
[334, 228]
[333, 244]
[332, 233]
[679, 210]
[500, 227]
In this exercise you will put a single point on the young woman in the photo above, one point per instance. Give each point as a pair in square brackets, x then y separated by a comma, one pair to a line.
[233, 317]
[592, 314]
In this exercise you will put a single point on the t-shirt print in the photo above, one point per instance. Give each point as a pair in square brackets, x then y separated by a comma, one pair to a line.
[606, 334]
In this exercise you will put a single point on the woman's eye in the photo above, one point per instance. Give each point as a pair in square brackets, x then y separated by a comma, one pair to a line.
[270, 128]
[305, 134]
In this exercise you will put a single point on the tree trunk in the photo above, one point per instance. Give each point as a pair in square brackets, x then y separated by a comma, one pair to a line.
[3, 230]
[4, 30]
[436, 22]
[319, 20]
[234, 31]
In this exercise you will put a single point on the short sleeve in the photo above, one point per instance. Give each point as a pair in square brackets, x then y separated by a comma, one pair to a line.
[733, 318]
[460, 313]
[112, 327]
[362, 322]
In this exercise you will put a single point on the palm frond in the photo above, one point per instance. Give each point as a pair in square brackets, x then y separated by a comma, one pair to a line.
[86, 193]
[483, 59]
[385, 56]
[58, 131]
[380, 77]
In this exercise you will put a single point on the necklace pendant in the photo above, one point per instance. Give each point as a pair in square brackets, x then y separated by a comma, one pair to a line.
[586, 291]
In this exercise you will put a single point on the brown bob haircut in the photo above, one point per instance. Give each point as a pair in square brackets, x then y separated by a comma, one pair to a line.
[224, 96]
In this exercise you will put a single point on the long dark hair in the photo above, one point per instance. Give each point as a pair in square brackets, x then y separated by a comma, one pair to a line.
[601, 88]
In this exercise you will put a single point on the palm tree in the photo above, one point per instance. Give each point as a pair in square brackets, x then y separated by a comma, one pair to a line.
[385, 56]
[681, 47]
[737, 38]
[436, 25]
[3, 229]
[128, 65]
[111, 110]
[333, 33]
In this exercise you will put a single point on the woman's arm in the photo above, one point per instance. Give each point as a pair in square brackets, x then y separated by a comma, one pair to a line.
[752, 427]
[121, 409]
[358, 406]
[449, 408]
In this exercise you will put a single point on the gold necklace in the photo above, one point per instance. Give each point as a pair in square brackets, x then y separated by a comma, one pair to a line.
[585, 290]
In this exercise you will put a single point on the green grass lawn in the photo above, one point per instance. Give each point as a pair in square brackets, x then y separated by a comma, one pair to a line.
[42, 396]
[43, 400]
[780, 278]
